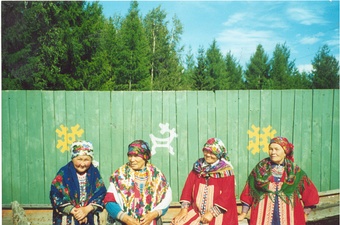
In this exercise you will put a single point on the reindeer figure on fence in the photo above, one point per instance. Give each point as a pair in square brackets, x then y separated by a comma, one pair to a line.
[163, 142]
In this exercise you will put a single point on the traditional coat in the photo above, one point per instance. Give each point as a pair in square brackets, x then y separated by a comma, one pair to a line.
[288, 194]
[204, 189]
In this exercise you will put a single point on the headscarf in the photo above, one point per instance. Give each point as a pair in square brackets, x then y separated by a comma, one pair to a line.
[139, 148]
[221, 168]
[216, 147]
[286, 145]
[81, 148]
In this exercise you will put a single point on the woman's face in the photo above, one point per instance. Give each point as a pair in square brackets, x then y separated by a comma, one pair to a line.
[209, 157]
[82, 163]
[136, 162]
[276, 153]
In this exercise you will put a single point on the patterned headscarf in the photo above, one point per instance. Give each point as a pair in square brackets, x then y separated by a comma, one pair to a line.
[139, 148]
[81, 148]
[216, 146]
[286, 145]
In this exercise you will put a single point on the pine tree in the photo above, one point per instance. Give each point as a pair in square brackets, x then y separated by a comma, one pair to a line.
[256, 74]
[134, 53]
[216, 67]
[165, 69]
[234, 74]
[281, 68]
[201, 78]
[325, 73]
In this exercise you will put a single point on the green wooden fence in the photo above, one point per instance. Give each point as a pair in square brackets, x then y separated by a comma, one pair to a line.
[38, 127]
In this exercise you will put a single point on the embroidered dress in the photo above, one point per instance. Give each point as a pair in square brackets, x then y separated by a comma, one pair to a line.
[139, 192]
[273, 193]
[210, 188]
[66, 191]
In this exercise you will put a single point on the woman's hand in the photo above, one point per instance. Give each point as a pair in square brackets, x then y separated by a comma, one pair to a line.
[181, 215]
[81, 213]
[83, 221]
[207, 217]
[241, 216]
[128, 220]
[147, 219]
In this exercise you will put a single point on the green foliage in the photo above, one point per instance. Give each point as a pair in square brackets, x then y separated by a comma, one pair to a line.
[325, 72]
[257, 71]
[234, 73]
[201, 78]
[70, 45]
[281, 68]
[133, 58]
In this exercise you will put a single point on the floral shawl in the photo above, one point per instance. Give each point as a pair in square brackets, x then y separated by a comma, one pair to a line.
[153, 193]
[65, 191]
[261, 176]
[222, 169]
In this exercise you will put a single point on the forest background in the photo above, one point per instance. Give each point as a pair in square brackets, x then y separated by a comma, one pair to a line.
[71, 45]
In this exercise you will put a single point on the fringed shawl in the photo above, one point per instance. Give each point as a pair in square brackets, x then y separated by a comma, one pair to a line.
[292, 179]
[153, 192]
[222, 169]
[65, 191]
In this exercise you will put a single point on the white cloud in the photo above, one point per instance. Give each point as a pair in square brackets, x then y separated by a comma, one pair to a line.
[242, 43]
[304, 16]
[305, 68]
[309, 40]
[236, 18]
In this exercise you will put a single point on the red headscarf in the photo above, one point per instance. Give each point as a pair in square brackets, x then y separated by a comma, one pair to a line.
[286, 145]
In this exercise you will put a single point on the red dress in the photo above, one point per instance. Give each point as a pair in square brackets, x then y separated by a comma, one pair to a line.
[220, 192]
[291, 210]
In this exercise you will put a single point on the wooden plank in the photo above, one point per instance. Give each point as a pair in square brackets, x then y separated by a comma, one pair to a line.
[266, 130]
[15, 135]
[222, 117]
[297, 126]
[203, 125]
[287, 115]
[161, 158]
[75, 119]
[316, 153]
[276, 112]
[61, 149]
[254, 127]
[194, 145]
[35, 147]
[129, 120]
[334, 163]
[6, 148]
[211, 114]
[179, 176]
[91, 116]
[22, 130]
[326, 138]
[172, 125]
[306, 137]
[242, 168]
[119, 149]
[49, 141]
[103, 151]
[138, 116]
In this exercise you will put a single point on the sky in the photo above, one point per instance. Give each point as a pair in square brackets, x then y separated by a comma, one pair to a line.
[240, 26]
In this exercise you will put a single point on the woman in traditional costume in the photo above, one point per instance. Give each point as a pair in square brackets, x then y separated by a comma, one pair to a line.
[278, 191]
[208, 196]
[78, 190]
[139, 193]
